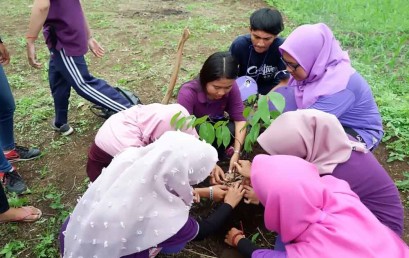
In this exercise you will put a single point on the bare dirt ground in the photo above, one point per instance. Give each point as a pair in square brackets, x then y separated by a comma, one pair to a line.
[140, 38]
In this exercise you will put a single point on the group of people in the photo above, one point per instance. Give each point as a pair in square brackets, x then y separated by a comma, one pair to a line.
[322, 189]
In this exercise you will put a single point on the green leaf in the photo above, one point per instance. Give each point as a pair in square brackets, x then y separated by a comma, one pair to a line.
[219, 136]
[200, 120]
[254, 237]
[226, 136]
[206, 132]
[218, 123]
[174, 118]
[263, 110]
[246, 111]
[247, 145]
[255, 131]
[180, 123]
[278, 100]
[191, 122]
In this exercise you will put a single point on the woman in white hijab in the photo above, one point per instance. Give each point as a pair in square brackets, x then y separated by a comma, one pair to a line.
[140, 204]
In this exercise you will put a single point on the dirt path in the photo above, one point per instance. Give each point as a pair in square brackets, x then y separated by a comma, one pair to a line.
[140, 38]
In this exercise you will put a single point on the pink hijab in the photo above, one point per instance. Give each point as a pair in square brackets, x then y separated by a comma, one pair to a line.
[319, 53]
[318, 216]
[310, 134]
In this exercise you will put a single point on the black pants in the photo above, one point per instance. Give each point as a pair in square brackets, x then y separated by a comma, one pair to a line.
[4, 204]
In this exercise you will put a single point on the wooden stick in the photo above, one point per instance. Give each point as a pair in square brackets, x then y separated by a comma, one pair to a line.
[176, 68]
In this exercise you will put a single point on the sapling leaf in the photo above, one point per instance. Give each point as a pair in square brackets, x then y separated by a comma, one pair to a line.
[191, 122]
[226, 136]
[174, 118]
[254, 237]
[180, 123]
[218, 123]
[278, 101]
[219, 136]
[200, 120]
[206, 132]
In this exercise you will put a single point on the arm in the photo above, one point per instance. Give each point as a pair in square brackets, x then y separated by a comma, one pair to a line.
[218, 192]
[4, 54]
[38, 16]
[216, 219]
[239, 135]
[336, 104]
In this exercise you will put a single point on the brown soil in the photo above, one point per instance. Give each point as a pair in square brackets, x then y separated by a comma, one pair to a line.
[141, 57]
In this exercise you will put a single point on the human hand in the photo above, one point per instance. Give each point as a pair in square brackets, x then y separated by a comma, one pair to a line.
[246, 181]
[217, 176]
[96, 48]
[233, 237]
[234, 195]
[219, 192]
[243, 167]
[196, 196]
[233, 159]
[250, 196]
[4, 55]
[31, 55]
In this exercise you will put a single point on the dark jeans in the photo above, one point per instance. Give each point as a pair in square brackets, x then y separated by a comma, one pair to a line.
[7, 108]
[4, 205]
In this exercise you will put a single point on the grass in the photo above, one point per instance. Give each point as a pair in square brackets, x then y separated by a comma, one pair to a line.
[376, 34]
[139, 56]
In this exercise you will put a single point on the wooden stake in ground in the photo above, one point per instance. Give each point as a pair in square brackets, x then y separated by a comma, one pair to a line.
[176, 68]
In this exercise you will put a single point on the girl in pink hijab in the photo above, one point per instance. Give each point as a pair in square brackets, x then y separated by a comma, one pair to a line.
[323, 79]
[137, 126]
[319, 138]
[315, 216]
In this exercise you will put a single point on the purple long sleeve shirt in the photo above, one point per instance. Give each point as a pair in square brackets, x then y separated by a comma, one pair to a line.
[194, 99]
[355, 107]
[65, 27]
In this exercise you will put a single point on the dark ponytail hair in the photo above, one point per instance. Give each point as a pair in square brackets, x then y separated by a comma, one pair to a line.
[218, 66]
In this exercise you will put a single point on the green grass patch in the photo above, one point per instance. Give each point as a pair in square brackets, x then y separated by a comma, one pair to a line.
[377, 37]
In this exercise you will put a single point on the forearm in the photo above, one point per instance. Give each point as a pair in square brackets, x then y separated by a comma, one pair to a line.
[240, 134]
[38, 16]
[213, 223]
[203, 192]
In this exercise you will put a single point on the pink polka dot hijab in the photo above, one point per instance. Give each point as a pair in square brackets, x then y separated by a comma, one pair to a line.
[318, 216]
[328, 67]
[141, 199]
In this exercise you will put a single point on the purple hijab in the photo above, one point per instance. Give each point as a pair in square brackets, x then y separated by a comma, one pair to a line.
[315, 48]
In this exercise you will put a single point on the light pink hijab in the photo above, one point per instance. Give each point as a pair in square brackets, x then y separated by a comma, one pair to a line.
[315, 48]
[138, 126]
[310, 134]
[318, 216]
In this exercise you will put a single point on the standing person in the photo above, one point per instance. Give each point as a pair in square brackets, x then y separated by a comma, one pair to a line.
[315, 216]
[319, 138]
[137, 126]
[22, 214]
[323, 79]
[10, 152]
[215, 93]
[257, 53]
[140, 205]
[68, 37]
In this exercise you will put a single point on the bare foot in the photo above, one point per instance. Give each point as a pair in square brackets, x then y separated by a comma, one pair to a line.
[23, 214]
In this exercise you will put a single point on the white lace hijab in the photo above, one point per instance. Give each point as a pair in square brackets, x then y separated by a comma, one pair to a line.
[141, 199]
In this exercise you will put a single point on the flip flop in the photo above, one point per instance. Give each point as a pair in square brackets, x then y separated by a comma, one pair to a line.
[31, 214]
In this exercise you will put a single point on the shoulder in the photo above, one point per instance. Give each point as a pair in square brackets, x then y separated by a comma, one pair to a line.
[240, 42]
[189, 90]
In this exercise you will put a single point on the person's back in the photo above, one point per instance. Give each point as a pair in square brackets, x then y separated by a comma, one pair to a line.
[257, 53]
[370, 181]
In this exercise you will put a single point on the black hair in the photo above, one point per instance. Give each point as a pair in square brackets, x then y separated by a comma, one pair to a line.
[268, 20]
[218, 66]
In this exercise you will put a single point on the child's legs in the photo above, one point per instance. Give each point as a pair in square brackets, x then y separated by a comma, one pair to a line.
[60, 90]
[7, 108]
[97, 160]
[75, 71]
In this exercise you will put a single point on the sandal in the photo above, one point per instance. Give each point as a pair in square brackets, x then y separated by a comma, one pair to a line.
[29, 214]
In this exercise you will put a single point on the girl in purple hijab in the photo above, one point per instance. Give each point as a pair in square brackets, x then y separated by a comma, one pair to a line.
[323, 79]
